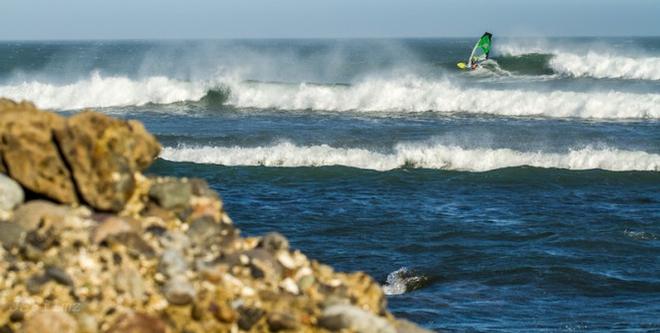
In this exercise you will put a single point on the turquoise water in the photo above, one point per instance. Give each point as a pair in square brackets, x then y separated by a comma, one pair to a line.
[521, 197]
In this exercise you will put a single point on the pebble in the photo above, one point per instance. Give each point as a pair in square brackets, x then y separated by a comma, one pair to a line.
[11, 194]
[50, 321]
[273, 242]
[179, 291]
[11, 234]
[279, 321]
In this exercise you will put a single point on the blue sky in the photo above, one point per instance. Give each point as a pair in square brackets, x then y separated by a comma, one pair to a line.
[137, 19]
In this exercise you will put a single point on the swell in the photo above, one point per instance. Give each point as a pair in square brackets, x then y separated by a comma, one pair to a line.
[414, 155]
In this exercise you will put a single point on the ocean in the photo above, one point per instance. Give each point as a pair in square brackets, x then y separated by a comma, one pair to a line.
[521, 197]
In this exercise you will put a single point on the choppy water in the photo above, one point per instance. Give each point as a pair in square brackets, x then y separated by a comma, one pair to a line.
[523, 197]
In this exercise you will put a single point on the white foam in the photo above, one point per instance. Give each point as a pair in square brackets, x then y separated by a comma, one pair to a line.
[100, 91]
[417, 155]
[603, 66]
[412, 94]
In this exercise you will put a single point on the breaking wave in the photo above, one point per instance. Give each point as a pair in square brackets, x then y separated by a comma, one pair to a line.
[101, 91]
[414, 155]
[417, 95]
[599, 65]
[406, 94]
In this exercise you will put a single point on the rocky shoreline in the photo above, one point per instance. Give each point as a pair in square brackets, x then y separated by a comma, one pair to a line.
[90, 244]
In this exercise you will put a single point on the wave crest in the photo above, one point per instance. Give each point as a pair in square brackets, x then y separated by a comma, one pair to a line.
[414, 155]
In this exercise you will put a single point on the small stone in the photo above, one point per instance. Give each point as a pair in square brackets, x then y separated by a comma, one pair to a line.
[58, 275]
[179, 291]
[32, 214]
[50, 321]
[172, 263]
[16, 316]
[134, 243]
[130, 281]
[222, 312]
[248, 316]
[11, 194]
[171, 194]
[11, 234]
[349, 317]
[111, 226]
[138, 323]
[306, 281]
[274, 241]
[263, 265]
[35, 282]
[290, 286]
[279, 321]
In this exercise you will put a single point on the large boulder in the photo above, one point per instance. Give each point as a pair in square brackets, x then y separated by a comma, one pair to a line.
[29, 152]
[103, 154]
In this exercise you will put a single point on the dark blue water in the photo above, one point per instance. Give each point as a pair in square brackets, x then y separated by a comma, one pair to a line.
[521, 197]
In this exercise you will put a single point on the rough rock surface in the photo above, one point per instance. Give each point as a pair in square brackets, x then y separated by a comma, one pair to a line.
[169, 260]
[29, 152]
[103, 154]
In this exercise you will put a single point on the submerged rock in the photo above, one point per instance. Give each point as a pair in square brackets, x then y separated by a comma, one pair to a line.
[11, 194]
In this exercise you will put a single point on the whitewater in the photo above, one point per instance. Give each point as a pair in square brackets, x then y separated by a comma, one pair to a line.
[415, 155]
[407, 94]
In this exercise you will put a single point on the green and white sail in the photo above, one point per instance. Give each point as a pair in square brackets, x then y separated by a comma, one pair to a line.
[481, 49]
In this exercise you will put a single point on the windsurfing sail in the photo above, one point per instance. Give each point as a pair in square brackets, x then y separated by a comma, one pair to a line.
[481, 49]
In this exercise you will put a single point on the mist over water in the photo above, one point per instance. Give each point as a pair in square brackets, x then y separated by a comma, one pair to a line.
[520, 197]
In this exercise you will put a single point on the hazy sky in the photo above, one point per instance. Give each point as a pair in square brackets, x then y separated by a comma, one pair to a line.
[136, 19]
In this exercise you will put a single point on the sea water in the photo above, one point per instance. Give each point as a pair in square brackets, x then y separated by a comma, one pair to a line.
[523, 196]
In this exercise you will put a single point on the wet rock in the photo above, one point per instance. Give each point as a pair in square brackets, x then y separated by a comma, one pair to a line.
[171, 194]
[248, 317]
[50, 321]
[179, 291]
[279, 321]
[342, 316]
[11, 234]
[11, 194]
[138, 323]
[29, 152]
[103, 154]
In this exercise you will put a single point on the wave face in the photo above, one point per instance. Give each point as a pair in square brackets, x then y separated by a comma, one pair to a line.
[415, 155]
[102, 91]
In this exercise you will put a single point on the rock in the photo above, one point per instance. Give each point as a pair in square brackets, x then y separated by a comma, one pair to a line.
[222, 312]
[138, 323]
[11, 194]
[404, 326]
[248, 316]
[171, 194]
[273, 242]
[129, 280]
[50, 321]
[343, 316]
[279, 321]
[59, 275]
[179, 291]
[11, 234]
[103, 154]
[263, 265]
[112, 226]
[29, 152]
[172, 263]
[35, 282]
[133, 243]
[203, 229]
[32, 214]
